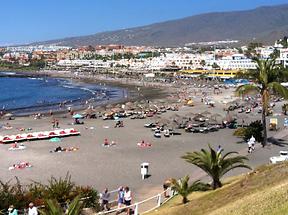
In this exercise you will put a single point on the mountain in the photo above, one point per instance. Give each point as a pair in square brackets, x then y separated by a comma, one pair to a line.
[265, 24]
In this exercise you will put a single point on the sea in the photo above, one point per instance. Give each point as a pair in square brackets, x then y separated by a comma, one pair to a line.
[21, 95]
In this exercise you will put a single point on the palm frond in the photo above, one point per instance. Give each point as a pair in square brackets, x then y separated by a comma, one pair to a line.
[247, 88]
[52, 207]
[215, 164]
[278, 88]
[75, 207]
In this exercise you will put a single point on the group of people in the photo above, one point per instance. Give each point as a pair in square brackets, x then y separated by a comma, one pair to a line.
[124, 198]
[32, 210]
[55, 123]
[119, 124]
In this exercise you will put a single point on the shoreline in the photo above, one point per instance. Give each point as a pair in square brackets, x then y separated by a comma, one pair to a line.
[135, 91]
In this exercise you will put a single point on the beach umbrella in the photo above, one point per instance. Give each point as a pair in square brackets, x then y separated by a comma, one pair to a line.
[8, 115]
[77, 116]
[175, 116]
[100, 109]
[229, 117]
[189, 115]
[213, 122]
[118, 106]
[206, 113]
[129, 104]
[136, 103]
[55, 139]
[216, 115]
[173, 124]
[156, 118]
[89, 111]
[198, 116]
[164, 121]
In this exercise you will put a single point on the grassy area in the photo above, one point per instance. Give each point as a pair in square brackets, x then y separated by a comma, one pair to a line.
[263, 192]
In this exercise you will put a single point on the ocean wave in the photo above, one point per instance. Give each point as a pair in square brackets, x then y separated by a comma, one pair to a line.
[69, 86]
[89, 90]
[33, 78]
[8, 73]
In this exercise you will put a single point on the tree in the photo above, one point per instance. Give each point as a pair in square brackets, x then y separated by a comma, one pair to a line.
[202, 63]
[266, 78]
[215, 164]
[255, 129]
[275, 54]
[215, 66]
[284, 42]
[52, 207]
[183, 188]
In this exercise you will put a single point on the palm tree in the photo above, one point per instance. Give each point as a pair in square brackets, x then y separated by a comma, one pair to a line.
[183, 188]
[53, 207]
[266, 77]
[215, 164]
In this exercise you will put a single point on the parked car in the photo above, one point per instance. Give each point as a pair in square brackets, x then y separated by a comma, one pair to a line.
[283, 157]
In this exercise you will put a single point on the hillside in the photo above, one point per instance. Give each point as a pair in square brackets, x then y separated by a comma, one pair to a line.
[264, 24]
[263, 192]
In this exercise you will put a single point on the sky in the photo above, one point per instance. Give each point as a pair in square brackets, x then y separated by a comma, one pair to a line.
[25, 21]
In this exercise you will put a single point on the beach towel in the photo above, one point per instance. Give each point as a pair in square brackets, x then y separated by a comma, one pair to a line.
[144, 145]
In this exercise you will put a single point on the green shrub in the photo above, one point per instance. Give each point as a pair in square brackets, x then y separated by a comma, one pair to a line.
[62, 190]
[254, 129]
[12, 193]
[240, 132]
[90, 197]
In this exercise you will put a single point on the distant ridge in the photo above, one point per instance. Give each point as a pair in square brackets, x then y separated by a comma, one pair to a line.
[264, 24]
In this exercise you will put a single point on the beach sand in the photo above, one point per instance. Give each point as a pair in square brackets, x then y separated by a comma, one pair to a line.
[111, 167]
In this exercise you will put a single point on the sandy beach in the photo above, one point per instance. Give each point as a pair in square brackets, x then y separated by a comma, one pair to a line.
[111, 167]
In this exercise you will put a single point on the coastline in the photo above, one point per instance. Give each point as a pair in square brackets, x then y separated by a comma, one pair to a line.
[136, 91]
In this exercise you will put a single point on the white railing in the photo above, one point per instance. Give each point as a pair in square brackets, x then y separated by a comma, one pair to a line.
[144, 206]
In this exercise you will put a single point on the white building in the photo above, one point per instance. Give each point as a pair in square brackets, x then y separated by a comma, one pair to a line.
[284, 57]
[235, 62]
[84, 63]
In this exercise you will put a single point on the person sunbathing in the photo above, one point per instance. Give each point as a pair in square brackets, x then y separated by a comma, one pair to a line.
[71, 149]
[16, 147]
[21, 165]
[107, 144]
[7, 126]
[143, 144]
